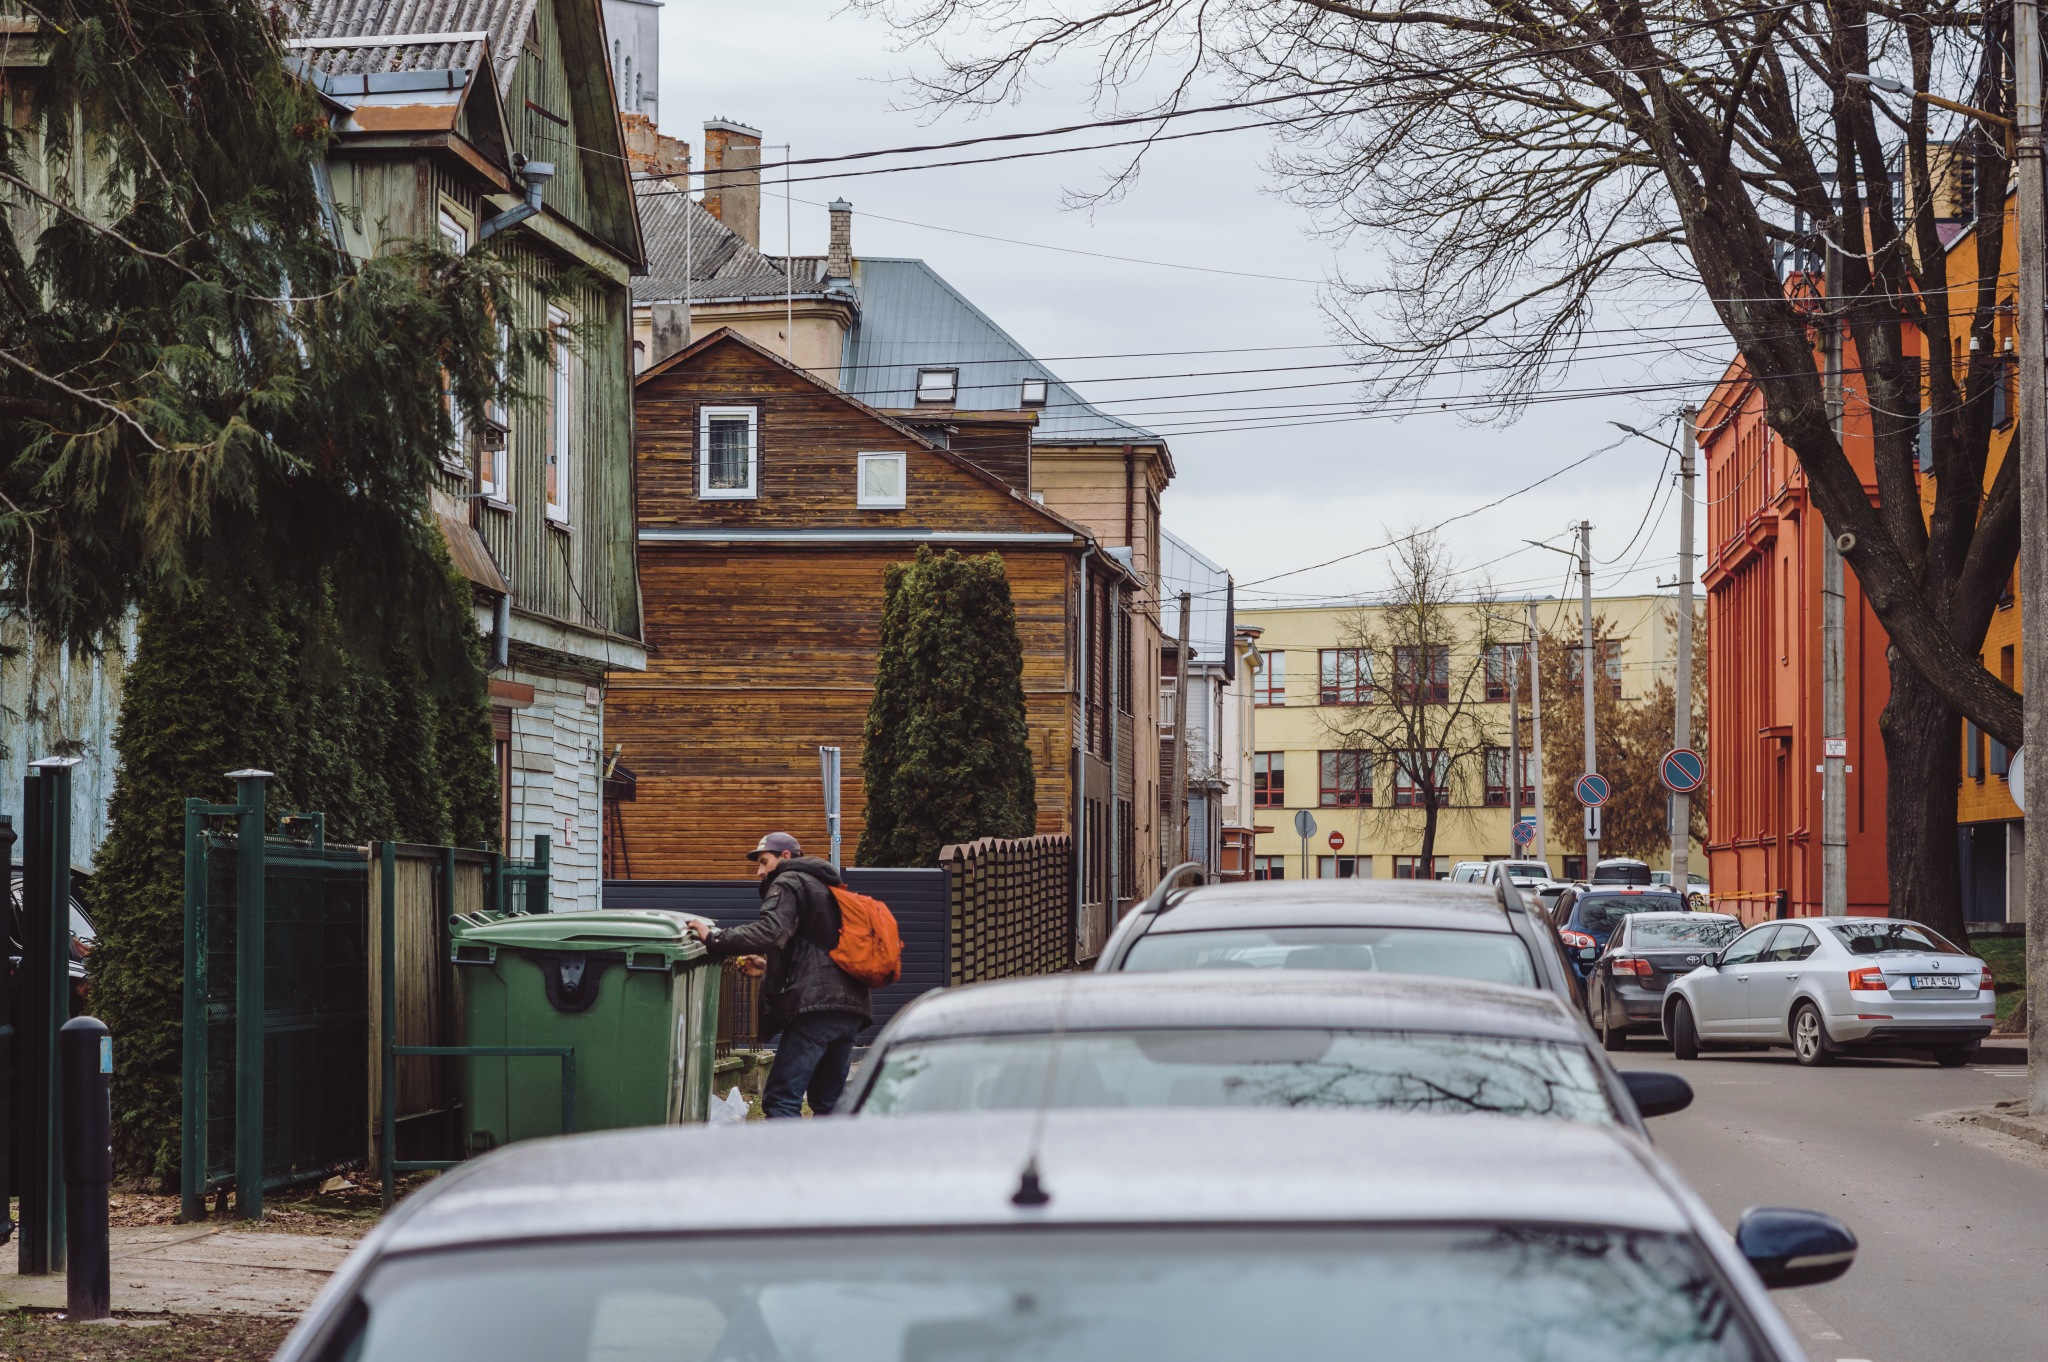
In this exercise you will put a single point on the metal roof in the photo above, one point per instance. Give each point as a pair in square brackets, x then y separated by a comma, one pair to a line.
[1100, 1167]
[691, 254]
[911, 318]
[459, 21]
[1335, 903]
[1205, 999]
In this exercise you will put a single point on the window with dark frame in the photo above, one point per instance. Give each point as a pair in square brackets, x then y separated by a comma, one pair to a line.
[1346, 781]
[1346, 676]
[1269, 684]
[1506, 662]
[1409, 793]
[1497, 778]
[1411, 868]
[1610, 663]
[1422, 673]
[1269, 867]
[1269, 780]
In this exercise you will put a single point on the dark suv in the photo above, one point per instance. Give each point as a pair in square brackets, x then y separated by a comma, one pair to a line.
[1598, 910]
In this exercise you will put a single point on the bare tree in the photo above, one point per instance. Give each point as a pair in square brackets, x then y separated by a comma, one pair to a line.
[1531, 164]
[1408, 696]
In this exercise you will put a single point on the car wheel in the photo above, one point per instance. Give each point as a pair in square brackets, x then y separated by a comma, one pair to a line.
[1685, 1037]
[1954, 1056]
[1810, 1043]
[1612, 1037]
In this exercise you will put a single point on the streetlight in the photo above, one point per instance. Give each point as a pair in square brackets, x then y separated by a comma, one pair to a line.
[1899, 87]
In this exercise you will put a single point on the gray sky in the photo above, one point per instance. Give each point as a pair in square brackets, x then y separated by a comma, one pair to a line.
[1283, 489]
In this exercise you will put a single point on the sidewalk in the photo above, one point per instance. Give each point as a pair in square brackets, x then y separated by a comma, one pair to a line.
[198, 1269]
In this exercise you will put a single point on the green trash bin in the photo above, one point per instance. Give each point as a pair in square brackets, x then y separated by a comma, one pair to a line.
[633, 993]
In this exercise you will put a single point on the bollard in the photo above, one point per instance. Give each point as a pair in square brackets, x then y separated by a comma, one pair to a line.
[85, 1059]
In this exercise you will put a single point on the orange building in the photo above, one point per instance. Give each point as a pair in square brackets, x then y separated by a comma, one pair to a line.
[1762, 574]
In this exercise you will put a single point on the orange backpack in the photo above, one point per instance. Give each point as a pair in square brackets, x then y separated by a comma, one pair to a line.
[869, 948]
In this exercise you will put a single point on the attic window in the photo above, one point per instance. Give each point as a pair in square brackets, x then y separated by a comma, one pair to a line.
[881, 482]
[1033, 393]
[938, 385]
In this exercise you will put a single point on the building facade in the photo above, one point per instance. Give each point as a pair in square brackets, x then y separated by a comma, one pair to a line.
[1367, 823]
[1218, 761]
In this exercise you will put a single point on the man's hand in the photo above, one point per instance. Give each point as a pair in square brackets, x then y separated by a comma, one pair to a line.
[753, 966]
[700, 929]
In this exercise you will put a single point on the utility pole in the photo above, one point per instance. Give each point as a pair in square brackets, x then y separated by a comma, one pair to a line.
[1536, 730]
[1177, 835]
[1587, 660]
[1514, 745]
[1834, 724]
[1681, 718]
[2030, 447]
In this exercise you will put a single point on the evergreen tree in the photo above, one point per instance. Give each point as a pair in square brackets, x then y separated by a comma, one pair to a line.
[947, 754]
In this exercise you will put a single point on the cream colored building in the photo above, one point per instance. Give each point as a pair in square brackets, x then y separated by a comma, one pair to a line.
[1295, 693]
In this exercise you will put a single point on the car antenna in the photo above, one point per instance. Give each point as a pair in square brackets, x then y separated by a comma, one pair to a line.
[1030, 1186]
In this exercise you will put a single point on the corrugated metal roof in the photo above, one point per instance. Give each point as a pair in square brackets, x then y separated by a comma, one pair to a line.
[911, 319]
[505, 20]
[1182, 568]
[691, 254]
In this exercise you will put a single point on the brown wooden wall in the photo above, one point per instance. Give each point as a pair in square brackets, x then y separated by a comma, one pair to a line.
[757, 658]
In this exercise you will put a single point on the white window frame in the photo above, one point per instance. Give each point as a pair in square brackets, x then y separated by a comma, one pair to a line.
[705, 490]
[952, 392]
[455, 234]
[561, 450]
[1025, 396]
[860, 485]
[500, 460]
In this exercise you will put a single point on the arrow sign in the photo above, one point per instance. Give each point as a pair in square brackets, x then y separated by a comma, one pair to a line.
[1595, 824]
[1682, 770]
[1525, 832]
[1591, 789]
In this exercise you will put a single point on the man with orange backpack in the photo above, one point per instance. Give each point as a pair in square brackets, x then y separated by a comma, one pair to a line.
[817, 1006]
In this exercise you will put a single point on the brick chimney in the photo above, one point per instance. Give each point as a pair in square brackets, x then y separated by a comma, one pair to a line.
[651, 152]
[839, 255]
[732, 177]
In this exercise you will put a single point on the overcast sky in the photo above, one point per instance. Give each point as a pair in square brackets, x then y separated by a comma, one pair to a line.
[1259, 498]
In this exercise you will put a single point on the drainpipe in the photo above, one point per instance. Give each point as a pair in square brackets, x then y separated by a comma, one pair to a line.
[536, 174]
[1114, 866]
[1081, 762]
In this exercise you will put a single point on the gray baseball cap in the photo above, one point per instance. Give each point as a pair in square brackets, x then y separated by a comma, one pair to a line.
[776, 843]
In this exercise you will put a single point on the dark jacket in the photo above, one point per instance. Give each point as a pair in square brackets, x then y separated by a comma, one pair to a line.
[796, 931]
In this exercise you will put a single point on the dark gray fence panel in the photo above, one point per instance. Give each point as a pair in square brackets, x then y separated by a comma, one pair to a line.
[916, 896]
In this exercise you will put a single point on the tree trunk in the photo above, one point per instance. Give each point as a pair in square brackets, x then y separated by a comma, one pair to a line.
[1923, 754]
[1427, 870]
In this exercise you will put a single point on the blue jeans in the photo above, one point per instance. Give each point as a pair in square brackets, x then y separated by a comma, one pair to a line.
[811, 1059]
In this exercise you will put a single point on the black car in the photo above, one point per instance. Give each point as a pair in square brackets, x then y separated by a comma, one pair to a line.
[1645, 952]
[1596, 911]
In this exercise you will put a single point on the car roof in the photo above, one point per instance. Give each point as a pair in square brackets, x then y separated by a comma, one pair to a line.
[1174, 999]
[1681, 917]
[1100, 1167]
[1467, 907]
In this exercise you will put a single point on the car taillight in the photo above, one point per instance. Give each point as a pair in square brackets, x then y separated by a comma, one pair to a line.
[1629, 964]
[1988, 983]
[1579, 939]
[1867, 980]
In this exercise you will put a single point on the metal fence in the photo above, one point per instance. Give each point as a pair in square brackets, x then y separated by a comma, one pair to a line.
[1010, 907]
[739, 1011]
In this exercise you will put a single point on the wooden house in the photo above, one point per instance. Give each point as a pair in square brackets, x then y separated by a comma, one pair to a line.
[770, 504]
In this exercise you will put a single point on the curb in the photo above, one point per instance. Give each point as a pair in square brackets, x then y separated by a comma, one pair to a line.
[2019, 1127]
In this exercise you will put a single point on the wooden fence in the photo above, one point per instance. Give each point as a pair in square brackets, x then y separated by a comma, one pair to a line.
[1010, 907]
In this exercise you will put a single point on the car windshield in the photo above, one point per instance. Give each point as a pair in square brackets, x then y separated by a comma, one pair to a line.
[1528, 870]
[1603, 912]
[1622, 872]
[1366, 1070]
[1888, 934]
[1486, 1293]
[1694, 929]
[1498, 957]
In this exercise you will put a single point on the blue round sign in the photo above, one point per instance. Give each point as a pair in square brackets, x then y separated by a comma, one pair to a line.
[1591, 789]
[1683, 770]
[1525, 832]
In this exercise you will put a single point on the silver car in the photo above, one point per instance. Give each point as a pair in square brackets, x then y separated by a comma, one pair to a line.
[1314, 1039]
[1087, 1236]
[1823, 984]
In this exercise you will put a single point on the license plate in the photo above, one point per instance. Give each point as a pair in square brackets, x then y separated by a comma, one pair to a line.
[1936, 980]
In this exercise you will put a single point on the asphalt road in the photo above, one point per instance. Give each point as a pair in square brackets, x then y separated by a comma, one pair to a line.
[1953, 1220]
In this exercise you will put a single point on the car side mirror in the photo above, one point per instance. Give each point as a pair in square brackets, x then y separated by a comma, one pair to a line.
[1711, 960]
[1656, 1093]
[1794, 1248]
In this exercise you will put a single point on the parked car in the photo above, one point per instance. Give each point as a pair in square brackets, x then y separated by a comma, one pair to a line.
[83, 938]
[1524, 875]
[1090, 1236]
[1591, 915]
[1825, 984]
[1244, 1038]
[1468, 931]
[1468, 872]
[1622, 870]
[1645, 952]
[1696, 887]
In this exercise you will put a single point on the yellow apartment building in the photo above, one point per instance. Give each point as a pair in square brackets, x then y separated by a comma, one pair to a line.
[1366, 822]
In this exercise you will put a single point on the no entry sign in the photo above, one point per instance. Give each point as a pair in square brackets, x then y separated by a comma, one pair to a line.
[1336, 841]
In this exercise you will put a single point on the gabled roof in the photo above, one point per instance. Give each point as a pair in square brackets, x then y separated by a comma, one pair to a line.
[691, 254]
[725, 335]
[466, 24]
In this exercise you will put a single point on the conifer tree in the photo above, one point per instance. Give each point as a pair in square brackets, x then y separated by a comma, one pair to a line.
[947, 754]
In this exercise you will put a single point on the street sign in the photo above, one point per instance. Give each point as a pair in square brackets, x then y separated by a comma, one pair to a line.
[1336, 841]
[1591, 789]
[1305, 824]
[1683, 770]
[1525, 832]
[1595, 824]
[1834, 747]
[2016, 777]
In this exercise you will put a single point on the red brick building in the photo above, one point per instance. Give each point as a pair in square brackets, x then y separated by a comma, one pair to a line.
[1762, 574]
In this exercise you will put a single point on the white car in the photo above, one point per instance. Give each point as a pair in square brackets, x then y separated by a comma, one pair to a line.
[1468, 872]
[1820, 984]
[1527, 876]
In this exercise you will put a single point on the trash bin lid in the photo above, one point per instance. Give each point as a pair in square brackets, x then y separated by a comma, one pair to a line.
[625, 929]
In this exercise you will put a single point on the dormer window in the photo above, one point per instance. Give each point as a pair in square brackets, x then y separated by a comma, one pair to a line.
[938, 385]
[1032, 393]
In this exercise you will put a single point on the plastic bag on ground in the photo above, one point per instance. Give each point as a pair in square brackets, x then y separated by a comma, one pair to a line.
[729, 1110]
